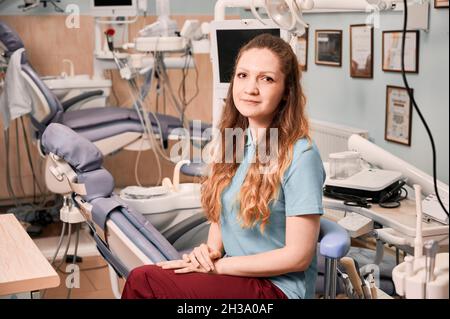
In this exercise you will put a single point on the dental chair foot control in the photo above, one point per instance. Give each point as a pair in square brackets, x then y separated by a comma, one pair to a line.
[69, 259]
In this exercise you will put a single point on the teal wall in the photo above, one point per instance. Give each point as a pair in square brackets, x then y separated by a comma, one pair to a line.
[334, 96]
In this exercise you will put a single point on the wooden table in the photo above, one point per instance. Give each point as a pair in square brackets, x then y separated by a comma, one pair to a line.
[23, 268]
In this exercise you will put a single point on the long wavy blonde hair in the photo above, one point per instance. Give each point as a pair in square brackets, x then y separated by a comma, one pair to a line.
[258, 190]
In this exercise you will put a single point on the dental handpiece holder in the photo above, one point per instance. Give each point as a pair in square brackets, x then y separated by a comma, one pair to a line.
[426, 274]
[411, 280]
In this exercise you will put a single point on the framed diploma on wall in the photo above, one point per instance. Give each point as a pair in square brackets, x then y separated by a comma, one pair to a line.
[302, 50]
[398, 115]
[361, 51]
[329, 47]
[438, 4]
[392, 51]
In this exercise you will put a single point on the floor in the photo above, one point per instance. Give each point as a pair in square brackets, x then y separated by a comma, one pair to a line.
[94, 282]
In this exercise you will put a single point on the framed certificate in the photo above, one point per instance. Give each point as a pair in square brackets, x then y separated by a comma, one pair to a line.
[329, 47]
[392, 51]
[438, 4]
[398, 115]
[302, 50]
[361, 51]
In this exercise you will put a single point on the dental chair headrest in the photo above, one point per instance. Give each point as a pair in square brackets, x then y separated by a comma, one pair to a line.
[9, 39]
[98, 183]
[76, 150]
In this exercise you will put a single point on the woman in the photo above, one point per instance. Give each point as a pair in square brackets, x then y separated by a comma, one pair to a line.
[264, 223]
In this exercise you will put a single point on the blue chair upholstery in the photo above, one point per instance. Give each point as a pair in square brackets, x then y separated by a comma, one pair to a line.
[334, 244]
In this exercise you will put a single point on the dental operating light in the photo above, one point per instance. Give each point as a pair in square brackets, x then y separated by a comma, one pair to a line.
[288, 14]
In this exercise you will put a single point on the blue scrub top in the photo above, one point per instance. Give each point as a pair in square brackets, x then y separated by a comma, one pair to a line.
[300, 194]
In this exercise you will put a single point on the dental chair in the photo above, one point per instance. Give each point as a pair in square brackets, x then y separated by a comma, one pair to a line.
[111, 129]
[124, 237]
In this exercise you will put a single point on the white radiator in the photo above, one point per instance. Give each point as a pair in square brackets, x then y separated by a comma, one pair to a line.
[331, 137]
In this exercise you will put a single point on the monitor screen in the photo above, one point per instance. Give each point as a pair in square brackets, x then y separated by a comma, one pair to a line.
[113, 8]
[228, 44]
[112, 3]
[227, 37]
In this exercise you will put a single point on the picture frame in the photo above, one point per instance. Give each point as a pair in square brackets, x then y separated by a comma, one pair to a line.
[441, 4]
[329, 47]
[392, 49]
[398, 115]
[302, 50]
[361, 51]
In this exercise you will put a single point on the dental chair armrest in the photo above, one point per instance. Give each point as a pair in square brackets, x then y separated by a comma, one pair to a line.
[175, 232]
[80, 97]
[334, 240]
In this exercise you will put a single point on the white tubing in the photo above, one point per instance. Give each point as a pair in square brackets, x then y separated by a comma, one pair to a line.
[176, 173]
[418, 252]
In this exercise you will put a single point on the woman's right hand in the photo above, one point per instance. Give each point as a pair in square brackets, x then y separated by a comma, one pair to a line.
[203, 256]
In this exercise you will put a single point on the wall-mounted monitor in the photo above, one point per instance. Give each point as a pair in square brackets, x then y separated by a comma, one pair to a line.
[114, 8]
[227, 37]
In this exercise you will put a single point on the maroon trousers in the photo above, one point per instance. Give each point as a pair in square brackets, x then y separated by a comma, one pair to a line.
[153, 282]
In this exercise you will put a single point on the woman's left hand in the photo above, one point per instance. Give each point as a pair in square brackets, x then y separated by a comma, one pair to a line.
[183, 266]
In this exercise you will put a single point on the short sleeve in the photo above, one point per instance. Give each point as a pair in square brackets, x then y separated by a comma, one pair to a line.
[303, 181]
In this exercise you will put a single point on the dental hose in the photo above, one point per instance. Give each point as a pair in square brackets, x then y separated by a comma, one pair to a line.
[139, 105]
[411, 96]
[61, 238]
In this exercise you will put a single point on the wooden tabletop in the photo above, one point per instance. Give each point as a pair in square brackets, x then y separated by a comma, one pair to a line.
[23, 268]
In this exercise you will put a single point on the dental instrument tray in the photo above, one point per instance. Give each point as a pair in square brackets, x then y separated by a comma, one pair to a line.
[372, 184]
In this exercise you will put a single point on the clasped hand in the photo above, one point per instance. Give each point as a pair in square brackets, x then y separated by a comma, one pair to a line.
[201, 259]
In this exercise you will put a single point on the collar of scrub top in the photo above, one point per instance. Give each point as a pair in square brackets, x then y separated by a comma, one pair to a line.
[249, 138]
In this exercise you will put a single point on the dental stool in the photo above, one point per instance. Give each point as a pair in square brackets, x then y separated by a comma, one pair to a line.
[124, 237]
[334, 243]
